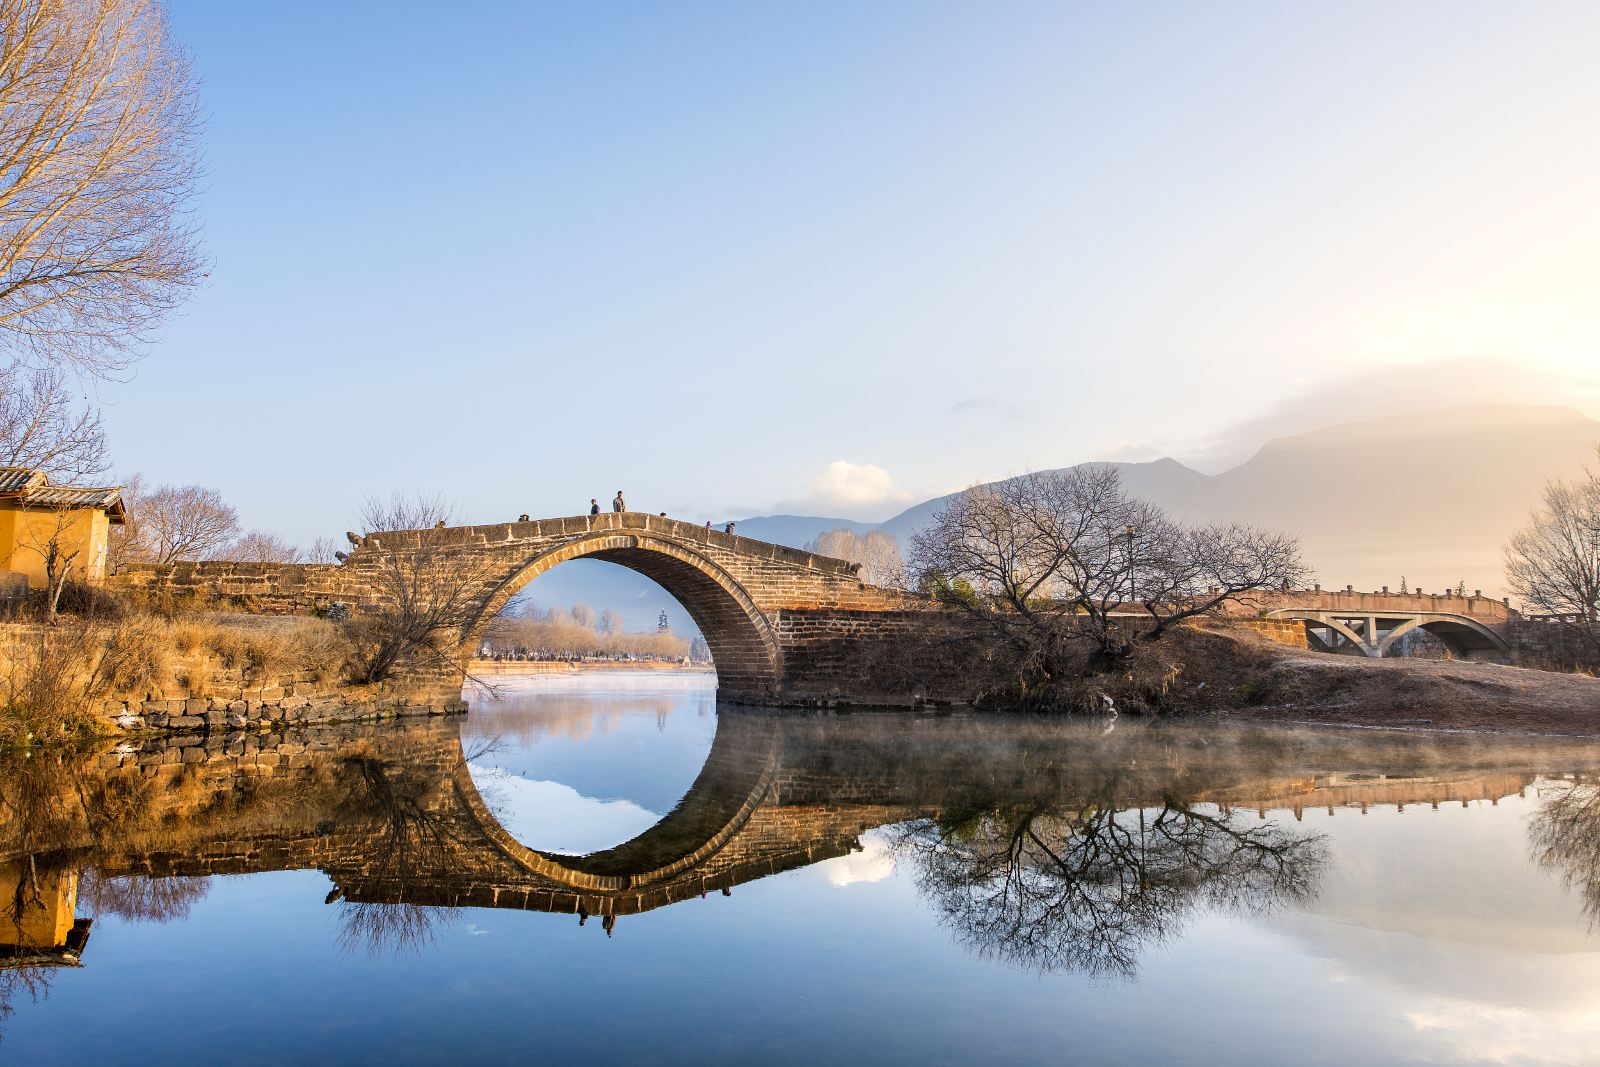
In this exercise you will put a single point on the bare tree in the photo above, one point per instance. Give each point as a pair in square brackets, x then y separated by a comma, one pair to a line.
[1091, 887]
[406, 511]
[132, 542]
[142, 898]
[1189, 571]
[98, 165]
[258, 546]
[187, 522]
[323, 550]
[1071, 573]
[426, 593]
[876, 550]
[44, 426]
[609, 623]
[1564, 836]
[1553, 563]
[59, 550]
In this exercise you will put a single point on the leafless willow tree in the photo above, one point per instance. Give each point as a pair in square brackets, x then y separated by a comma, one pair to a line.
[324, 550]
[43, 425]
[98, 167]
[1072, 573]
[1553, 563]
[876, 550]
[186, 522]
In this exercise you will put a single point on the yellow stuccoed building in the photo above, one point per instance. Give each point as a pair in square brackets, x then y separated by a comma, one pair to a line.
[34, 513]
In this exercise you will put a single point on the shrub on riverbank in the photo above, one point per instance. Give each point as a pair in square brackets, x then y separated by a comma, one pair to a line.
[51, 677]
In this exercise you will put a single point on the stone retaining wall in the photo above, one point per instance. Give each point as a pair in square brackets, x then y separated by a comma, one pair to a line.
[239, 701]
[1284, 631]
[1549, 646]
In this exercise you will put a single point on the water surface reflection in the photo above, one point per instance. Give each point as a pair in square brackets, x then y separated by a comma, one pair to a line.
[1007, 884]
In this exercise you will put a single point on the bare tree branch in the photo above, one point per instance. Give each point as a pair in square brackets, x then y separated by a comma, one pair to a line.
[187, 522]
[42, 425]
[98, 166]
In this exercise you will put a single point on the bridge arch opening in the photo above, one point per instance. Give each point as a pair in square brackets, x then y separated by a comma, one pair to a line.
[1464, 637]
[738, 636]
[736, 776]
[1380, 634]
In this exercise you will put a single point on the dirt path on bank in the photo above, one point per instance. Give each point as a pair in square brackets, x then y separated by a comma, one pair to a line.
[1244, 678]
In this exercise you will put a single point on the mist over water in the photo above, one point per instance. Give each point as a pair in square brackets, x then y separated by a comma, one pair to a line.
[608, 867]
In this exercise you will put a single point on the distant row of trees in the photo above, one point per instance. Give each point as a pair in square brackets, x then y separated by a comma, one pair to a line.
[582, 631]
[192, 522]
[878, 553]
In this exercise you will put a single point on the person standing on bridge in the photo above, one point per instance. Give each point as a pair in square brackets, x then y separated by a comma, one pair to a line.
[594, 506]
[728, 529]
[617, 503]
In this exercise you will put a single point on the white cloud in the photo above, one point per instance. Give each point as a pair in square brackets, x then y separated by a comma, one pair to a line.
[1482, 1033]
[856, 490]
[856, 485]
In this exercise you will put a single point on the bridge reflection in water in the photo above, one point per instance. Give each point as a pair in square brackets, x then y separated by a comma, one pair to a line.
[1048, 844]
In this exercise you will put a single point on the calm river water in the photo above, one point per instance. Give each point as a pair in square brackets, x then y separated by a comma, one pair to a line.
[610, 868]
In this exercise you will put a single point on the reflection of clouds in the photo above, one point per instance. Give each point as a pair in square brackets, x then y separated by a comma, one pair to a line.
[873, 863]
[1479, 1033]
[1421, 875]
[1442, 918]
[552, 817]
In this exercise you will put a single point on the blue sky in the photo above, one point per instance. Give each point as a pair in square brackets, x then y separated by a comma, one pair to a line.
[839, 257]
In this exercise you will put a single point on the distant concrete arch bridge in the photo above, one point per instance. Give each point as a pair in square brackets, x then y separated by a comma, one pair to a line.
[1374, 624]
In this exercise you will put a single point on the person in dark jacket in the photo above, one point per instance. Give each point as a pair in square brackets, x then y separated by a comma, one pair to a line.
[594, 506]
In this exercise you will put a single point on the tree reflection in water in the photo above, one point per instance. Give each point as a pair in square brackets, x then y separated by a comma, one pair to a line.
[141, 898]
[1564, 836]
[407, 834]
[1091, 888]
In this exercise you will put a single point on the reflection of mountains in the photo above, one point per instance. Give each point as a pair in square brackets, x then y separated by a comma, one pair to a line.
[1049, 844]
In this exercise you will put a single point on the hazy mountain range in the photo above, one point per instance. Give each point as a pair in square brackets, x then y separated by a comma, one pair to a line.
[1432, 497]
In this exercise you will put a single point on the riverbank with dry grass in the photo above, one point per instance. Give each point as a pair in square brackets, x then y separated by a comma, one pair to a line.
[1235, 676]
[146, 672]
[139, 671]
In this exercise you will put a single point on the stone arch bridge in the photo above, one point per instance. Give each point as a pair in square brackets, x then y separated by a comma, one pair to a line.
[783, 625]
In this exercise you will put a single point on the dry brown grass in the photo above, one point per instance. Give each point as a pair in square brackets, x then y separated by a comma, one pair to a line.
[1238, 675]
[51, 677]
